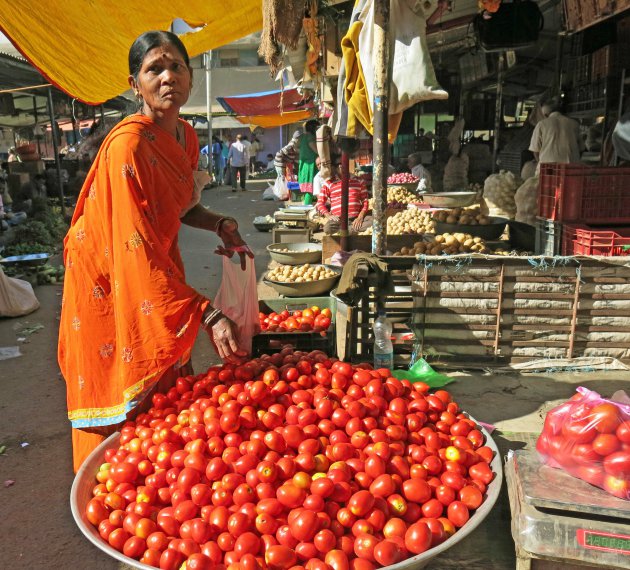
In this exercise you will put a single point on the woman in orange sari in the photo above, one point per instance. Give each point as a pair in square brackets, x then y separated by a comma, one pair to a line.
[129, 319]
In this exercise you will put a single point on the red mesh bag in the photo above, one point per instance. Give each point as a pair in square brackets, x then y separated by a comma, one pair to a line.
[589, 437]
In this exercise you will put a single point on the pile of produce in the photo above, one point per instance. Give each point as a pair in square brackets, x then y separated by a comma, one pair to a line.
[462, 216]
[309, 320]
[446, 244]
[300, 273]
[498, 192]
[398, 197]
[287, 250]
[526, 200]
[290, 461]
[264, 220]
[403, 178]
[412, 221]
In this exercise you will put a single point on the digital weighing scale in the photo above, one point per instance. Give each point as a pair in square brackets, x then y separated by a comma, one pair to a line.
[560, 518]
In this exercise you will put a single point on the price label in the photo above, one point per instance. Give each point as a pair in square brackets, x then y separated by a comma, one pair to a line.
[605, 541]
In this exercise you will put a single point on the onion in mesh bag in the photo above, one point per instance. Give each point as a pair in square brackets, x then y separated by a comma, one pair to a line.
[526, 199]
[498, 192]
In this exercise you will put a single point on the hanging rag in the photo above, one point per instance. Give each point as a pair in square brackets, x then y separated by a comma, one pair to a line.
[350, 290]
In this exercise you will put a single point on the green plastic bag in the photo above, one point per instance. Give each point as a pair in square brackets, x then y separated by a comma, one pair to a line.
[422, 372]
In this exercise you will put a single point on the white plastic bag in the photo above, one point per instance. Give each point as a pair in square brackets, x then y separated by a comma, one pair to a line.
[237, 298]
[16, 297]
[413, 75]
[269, 193]
[280, 189]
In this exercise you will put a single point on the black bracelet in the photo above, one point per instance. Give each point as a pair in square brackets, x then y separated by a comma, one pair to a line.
[211, 318]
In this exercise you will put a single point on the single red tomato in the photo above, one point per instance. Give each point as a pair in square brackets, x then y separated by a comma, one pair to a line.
[418, 538]
[458, 514]
[605, 444]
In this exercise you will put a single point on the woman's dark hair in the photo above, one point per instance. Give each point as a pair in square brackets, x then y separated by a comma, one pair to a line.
[311, 126]
[149, 40]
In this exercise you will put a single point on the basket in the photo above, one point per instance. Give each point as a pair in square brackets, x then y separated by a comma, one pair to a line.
[548, 237]
[450, 199]
[584, 240]
[298, 253]
[84, 482]
[584, 194]
[264, 227]
[490, 231]
[271, 342]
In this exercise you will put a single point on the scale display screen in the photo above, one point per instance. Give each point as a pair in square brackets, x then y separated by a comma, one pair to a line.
[618, 543]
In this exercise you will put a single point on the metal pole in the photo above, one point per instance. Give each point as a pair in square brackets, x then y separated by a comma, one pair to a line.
[380, 104]
[208, 58]
[39, 138]
[498, 110]
[345, 189]
[53, 130]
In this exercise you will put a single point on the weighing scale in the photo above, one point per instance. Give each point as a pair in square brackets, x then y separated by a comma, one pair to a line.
[558, 517]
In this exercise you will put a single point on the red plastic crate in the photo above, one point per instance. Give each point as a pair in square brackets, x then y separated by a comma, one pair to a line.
[584, 240]
[584, 194]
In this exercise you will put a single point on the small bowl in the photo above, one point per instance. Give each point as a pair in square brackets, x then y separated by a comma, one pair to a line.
[264, 227]
[449, 199]
[490, 231]
[297, 254]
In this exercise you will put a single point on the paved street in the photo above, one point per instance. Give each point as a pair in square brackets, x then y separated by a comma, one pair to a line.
[36, 527]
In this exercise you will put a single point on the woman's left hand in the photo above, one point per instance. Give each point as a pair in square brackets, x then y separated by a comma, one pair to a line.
[233, 243]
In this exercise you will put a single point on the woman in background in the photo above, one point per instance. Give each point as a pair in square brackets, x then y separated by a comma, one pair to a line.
[308, 154]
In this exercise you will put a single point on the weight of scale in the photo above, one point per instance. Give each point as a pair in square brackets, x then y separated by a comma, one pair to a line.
[558, 517]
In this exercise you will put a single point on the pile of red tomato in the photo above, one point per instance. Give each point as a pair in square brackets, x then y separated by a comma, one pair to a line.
[312, 319]
[590, 438]
[290, 461]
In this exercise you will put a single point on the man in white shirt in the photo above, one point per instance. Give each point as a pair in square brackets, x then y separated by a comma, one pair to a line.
[556, 138]
[238, 159]
[414, 161]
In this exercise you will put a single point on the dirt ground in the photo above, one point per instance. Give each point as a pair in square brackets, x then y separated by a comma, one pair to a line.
[36, 527]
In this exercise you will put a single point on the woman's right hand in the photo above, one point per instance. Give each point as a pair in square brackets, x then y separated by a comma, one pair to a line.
[224, 337]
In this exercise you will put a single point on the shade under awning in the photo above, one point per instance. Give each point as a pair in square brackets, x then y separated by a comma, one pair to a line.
[220, 123]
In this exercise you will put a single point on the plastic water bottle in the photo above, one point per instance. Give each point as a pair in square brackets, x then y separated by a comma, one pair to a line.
[383, 347]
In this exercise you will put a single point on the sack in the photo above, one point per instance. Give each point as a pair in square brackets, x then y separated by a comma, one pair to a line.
[237, 298]
[586, 437]
[16, 297]
[227, 178]
[514, 25]
[280, 189]
[413, 75]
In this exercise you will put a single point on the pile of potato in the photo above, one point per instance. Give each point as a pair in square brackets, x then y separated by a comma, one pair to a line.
[300, 273]
[412, 221]
[511, 252]
[448, 244]
[462, 216]
[397, 196]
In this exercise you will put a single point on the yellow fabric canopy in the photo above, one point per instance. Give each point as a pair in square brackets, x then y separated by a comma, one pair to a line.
[81, 47]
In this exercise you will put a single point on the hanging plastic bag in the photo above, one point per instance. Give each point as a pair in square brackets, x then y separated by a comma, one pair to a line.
[421, 371]
[413, 75]
[237, 298]
[280, 189]
[588, 437]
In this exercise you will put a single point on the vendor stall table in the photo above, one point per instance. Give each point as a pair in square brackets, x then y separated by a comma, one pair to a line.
[558, 517]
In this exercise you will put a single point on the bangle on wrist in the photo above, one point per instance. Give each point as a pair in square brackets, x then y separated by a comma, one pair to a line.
[210, 317]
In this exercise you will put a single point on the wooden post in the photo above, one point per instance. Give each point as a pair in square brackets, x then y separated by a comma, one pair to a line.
[345, 189]
[380, 106]
[53, 130]
[208, 58]
[498, 110]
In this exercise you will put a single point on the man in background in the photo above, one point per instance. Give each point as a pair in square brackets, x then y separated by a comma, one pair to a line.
[414, 162]
[556, 138]
[238, 159]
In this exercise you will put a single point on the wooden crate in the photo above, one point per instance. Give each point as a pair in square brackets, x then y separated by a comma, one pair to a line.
[478, 310]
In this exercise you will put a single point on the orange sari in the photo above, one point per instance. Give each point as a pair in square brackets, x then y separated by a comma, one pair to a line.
[127, 315]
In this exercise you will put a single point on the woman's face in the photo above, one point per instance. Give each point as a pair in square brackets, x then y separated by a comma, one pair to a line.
[164, 80]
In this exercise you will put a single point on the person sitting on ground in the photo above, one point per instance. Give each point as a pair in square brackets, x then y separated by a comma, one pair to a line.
[415, 165]
[270, 164]
[329, 203]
